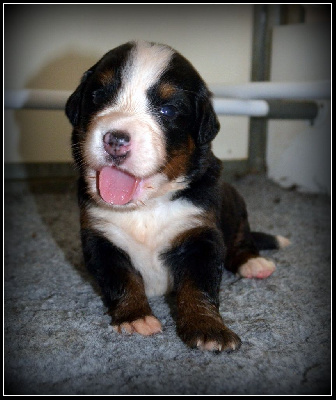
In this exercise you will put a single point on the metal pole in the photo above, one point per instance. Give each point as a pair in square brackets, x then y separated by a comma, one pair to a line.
[259, 72]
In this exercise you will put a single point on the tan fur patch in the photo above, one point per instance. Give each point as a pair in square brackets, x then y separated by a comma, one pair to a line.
[106, 77]
[166, 90]
[177, 164]
[194, 303]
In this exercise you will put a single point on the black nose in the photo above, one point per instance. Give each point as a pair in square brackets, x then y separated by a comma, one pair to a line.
[117, 145]
[116, 138]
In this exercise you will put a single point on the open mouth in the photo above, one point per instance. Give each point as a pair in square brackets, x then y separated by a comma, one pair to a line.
[116, 186]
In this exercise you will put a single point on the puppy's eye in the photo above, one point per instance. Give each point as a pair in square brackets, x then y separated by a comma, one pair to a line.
[98, 96]
[168, 111]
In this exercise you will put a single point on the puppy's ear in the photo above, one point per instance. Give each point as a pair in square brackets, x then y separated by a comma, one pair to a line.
[72, 106]
[209, 124]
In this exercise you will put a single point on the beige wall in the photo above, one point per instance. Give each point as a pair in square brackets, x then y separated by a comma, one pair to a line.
[50, 46]
[298, 152]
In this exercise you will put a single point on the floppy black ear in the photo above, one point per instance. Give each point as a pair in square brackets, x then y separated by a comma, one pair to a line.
[209, 124]
[72, 106]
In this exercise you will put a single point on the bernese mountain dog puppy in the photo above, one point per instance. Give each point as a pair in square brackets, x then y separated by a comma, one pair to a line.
[155, 216]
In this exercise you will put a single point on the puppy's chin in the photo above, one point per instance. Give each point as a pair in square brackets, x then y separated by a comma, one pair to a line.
[117, 189]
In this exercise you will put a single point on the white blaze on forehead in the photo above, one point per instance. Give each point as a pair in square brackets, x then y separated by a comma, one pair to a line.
[146, 64]
[130, 112]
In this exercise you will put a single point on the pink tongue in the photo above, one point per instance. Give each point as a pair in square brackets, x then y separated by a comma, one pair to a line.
[116, 186]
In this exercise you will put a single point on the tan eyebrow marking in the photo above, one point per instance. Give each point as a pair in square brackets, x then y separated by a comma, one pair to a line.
[166, 90]
[106, 77]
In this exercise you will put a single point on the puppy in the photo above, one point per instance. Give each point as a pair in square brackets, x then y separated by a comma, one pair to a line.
[154, 215]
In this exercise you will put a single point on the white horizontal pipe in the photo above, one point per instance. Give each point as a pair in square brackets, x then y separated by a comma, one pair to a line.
[36, 99]
[252, 108]
[319, 90]
[56, 99]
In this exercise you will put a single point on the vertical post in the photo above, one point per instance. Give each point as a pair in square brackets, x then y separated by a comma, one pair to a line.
[265, 16]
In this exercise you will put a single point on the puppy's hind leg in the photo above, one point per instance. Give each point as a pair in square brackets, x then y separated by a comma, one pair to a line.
[243, 256]
[257, 266]
[242, 245]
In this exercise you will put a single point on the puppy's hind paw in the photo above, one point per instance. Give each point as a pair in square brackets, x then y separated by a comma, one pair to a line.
[258, 267]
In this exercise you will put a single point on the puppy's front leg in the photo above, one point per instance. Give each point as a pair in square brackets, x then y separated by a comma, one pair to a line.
[197, 262]
[122, 286]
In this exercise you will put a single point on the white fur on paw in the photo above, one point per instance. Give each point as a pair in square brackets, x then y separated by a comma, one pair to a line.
[226, 341]
[211, 345]
[257, 267]
[144, 326]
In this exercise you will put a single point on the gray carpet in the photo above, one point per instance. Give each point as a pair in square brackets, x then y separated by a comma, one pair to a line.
[58, 339]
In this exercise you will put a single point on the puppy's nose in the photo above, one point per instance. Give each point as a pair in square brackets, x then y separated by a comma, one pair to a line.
[117, 144]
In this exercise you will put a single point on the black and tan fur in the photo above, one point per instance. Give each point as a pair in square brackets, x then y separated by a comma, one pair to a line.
[182, 226]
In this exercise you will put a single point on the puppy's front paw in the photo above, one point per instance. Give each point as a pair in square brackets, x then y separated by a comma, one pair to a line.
[224, 340]
[146, 326]
[258, 267]
[208, 334]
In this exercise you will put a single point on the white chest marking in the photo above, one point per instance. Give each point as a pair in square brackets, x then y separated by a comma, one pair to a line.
[145, 233]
